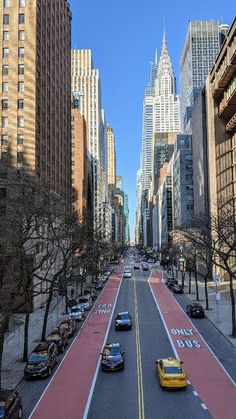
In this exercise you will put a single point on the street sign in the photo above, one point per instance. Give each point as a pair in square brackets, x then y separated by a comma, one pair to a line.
[216, 279]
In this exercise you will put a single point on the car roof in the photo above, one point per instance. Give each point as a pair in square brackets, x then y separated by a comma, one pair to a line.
[171, 362]
[112, 345]
[41, 347]
[123, 312]
[197, 305]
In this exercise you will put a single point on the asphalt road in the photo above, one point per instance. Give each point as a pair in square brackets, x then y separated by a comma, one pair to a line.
[116, 394]
[135, 392]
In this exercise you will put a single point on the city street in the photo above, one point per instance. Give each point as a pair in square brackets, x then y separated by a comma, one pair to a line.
[91, 393]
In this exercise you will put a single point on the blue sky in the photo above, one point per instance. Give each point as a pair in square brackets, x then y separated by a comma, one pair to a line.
[123, 36]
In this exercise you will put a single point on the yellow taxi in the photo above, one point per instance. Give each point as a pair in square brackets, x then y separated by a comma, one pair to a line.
[171, 373]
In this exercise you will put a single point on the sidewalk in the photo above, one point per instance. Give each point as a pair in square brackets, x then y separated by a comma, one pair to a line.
[13, 367]
[222, 320]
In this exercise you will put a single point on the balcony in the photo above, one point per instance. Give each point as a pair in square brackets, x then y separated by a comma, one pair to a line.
[231, 126]
[227, 106]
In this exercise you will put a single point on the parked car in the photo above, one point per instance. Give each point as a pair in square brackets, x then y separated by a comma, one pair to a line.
[171, 283]
[85, 302]
[69, 325]
[41, 361]
[76, 314]
[177, 289]
[171, 373]
[10, 404]
[112, 357]
[98, 285]
[145, 267]
[59, 337]
[136, 266]
[123, 321]
[195, 310]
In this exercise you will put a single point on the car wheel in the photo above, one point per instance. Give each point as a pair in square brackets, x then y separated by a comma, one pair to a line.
[20, 413]
[49, 372]
[62, 348]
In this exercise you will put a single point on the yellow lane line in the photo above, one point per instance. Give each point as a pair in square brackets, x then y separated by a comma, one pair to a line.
[139, 357]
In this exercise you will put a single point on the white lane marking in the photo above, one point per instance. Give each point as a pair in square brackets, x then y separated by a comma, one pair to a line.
[85, 415]
[231, 379]
[163, 320]
[195, 393]
[54, 375]
[204, 406]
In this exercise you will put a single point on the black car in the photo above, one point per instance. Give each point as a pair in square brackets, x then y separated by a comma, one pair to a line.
[123, 321]
[10, 404]
[195, 310]
[171, 283]
[98, 285]
[112, 357]
[177, 289]
[136, 266]
[41, 361]
[59, 337]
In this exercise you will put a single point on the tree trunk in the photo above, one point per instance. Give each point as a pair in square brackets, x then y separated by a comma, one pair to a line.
[45, 319]
[190, 282]
[206, 291]
[182, 278]
[196, 283]
[3, 328]
[26, 333]
[233, 334]
[66, 299]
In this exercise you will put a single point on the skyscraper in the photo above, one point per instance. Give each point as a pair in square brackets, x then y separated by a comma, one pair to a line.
[111, 164]
[36, 93]
[202, 44]
[86, 85]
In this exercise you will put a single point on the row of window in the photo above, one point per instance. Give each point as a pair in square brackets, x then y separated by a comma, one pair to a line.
[5, 87]
[20, 122]
[6, 35]
[5, 69]
[21, 52]
[7, 3]
[5, 139]
[20, 104]
[21, 19]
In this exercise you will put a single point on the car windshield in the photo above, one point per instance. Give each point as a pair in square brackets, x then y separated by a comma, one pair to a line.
[74, 310]
[38, 357]
[54, 336]
[113, 351]
[64, 326]
[173, 370]
[83, 300]
[123, 316]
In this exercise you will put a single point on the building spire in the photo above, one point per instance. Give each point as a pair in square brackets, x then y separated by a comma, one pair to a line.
[156, 57]
[164, 30]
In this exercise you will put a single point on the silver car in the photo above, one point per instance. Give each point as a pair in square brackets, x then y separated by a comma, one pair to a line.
[85, 302]
[76, 313]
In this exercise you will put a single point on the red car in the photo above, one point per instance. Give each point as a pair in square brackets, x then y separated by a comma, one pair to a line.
[195, 310]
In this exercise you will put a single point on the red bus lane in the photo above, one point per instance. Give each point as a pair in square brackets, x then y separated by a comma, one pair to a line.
[66, 395]
[207, 376]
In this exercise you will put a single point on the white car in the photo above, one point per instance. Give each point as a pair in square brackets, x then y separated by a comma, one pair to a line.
[76, 313]
[127, 274]
[85, 302]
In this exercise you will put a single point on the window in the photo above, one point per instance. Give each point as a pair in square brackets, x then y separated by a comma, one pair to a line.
[6, 3]
[4, 122]
[5, 36]
[21, 18]
[5, 19]
[20, 103]
[5, 87]
[5, 52]
[5, 70]
[21, 86]
[21, 3]
[20, 121]
[21, 69]
[21, 35]
[21, 52]
[4, 104]
[20, 139]
[4, 139]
